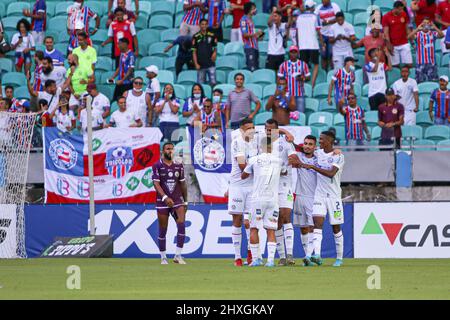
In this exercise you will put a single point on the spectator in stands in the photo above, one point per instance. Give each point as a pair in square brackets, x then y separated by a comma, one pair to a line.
[239, 103]
[425, 35]
[73, 41]
[50, 51]
[136, 100]
[390, 119]
[250, 37]
[100, 103]
[80, 12]
[278, 35]
[209, 118]
[237, 11]
[327, 14]
[63, 117]
[125, 70]
[44, 120]
[79, 77]
[194, 104]
[97, 119]
[269, 6]
[342, 35]
[9, 93]
[216, 14]
[38, 84]
[355, 122]
[424, 9]
[342, 82]
[204, 54]
[373, 41]
[396, 27]
[184, 54]
[38, 20]
[308, 25]
[124, 118]
[406, 88]
[152, 93]
[376, 72]
[120, 29]
[51, 92]
[4, 45]
[439, 103]
[127, 4]
[21, 106]
[219, 105]
[128, 14]
[74, 103]
[442, 15]
[23, 43]
[166, 110]
[50, 72]
[287, 8]
[87, 55]
[296, 72]
[194, 10]
[281, 103]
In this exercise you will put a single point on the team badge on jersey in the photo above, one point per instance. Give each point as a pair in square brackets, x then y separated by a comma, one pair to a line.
[209, 154]
[119, 161]
[63, 154]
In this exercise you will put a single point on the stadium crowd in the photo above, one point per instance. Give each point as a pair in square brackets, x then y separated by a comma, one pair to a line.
[401, 54]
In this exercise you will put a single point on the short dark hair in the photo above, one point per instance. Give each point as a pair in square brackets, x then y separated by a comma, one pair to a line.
[138, 78]
[311, 137]
[124, 40]
[329, 133]
[207, 100]
[272, 121]
[203, 20]
[118, 9]
[49, 82]
[248, 7]
[340, 14]
[398, 4]
[43, 102]
[9, 87]
[239, 74]
[39, 54]
[278, 12]
[49, 37]
[167, 144]
[245, 121]
[372, 51]
[218, 90]
[120, 98]
[25, 22]
[48, 59]
[83, 34]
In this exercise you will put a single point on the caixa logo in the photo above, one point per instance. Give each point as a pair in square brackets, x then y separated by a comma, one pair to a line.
[409, 235]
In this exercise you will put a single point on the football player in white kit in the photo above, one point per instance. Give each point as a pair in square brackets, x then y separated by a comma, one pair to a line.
[266, 168]
[327, 197]
[136, 100]
[243, 147]
[285, 230]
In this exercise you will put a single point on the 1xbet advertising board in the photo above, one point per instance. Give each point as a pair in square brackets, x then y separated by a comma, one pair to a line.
[402, 230]
[135, 230]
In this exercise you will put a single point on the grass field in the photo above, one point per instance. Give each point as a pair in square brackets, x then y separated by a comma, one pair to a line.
[219, 279]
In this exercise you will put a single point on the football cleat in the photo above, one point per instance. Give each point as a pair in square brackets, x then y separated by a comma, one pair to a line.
[307, 262]
[256, 263]
[290, 260]
[238, 262]
[270, 264]
[317, 260]
[282, 262]
[164, 261]
[338, 263]
[179, 260]
[249, 257]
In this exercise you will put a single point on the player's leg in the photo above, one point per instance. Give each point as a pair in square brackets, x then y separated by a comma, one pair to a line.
[235, 208]
[270, 222]
[255, 225]
[247, 197]
[279, 238]
[181, 233]
[163, 221]
[319, 213]
[336, 213]
[288, 232]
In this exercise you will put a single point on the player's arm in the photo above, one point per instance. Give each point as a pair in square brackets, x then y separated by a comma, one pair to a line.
[289, 137]
[327, 173]
[165, 198]
[294, 161]
[247, 171]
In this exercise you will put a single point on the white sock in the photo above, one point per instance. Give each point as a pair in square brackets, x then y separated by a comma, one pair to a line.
[247, 232]
[305, 239]
[317, 241]
[260, 252]
[279, 235]
[178, 251]
[237, 239]
[271, 248]
[254, 248]
[310, 246]
[163, 254]
[339, 241]
[288, 230]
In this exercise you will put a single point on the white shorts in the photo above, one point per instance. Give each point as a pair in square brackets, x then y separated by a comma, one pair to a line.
[264, 215]
[402, 54]
[239, 200]
[410, 118]
[332, 206]
[303, 211]
[338, 60]
[286, 198]
[236, 35]
[38, 37]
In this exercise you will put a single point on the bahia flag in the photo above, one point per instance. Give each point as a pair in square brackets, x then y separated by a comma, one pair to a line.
[123, 160]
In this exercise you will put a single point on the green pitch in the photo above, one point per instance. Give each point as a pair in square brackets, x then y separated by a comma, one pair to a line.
[219, 279]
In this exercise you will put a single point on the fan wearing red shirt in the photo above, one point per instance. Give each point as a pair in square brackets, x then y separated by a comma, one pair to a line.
[442, 15]
[237, 10]
[396, 29]
[287, 7]
[424, 9]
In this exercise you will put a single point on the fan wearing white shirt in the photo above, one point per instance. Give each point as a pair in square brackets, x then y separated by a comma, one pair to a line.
[278, 34]
[408, 91]
[63, 116]
[342, 35]
[51, 72]
[23, 43]
[100, 102]
[376, 73]
[124, 118]
[97, 120]
[51, 92]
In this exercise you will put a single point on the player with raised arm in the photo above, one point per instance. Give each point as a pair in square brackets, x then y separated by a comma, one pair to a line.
[327, 197]
[285, 231]
[171, 190]
[266, 169]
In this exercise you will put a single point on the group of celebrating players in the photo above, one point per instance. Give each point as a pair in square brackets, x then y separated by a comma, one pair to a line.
[260, 194]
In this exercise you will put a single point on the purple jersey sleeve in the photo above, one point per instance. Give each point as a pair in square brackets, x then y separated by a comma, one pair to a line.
[155, 169]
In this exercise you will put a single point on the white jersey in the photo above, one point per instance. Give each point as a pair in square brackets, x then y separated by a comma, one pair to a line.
[283, 150]
[124, 119]
[58, 74]
[406, 91]
[307, 178]
[241, 148]
[138, 105]
[63, 120]
[326, 187]
[266, 169]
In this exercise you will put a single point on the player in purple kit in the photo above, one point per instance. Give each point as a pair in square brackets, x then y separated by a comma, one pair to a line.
[171, 190]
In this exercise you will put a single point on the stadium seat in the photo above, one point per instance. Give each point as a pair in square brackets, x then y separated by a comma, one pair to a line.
[145, 7]
[308, 90]
[256, 89]
[263, 47]
[300, 122]
[355, 6]
[234, 49]
[157, 50]
[228, 63]
[269, 91]
[376, 133]
[384, 4]
[342, 5]
[371, 118]
[423, 119]
[311, 105]
[97, 7]
[221, 76]
[15, 79]
[340, 135]
[2, 10]
[437, 133]
[444, 61]
[363, 102]
[360, 32]
[359, 78]
[99, 37]
[260, 20]
[10, 24]
[104, 51]
[188, 77]
[61, 8]
[339, 120]
[166, 76]
[427, 87]
[58, 23]
[261, 118]
[142, 23]
[321, 90]
[365, 90]
[393, 75]
[162, 8]
[264, 77]
[169, 63]
[107, 90]
[6, 65]
[443, 145]
[247, 74]
[179, 18]
[321, 76]
[105, 75]
[424, 145]
[104, 63]
[22, 93]
[226, 88]
[62, 47]
[412, 132]
[360, 19]
[169, 35]
[325, 107]
[148, 36]
[16, 8]
[160, 22]
[180, 91]
[320, 119]
[147, 61]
